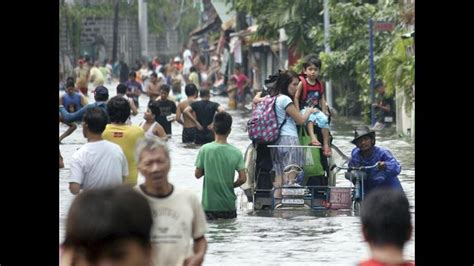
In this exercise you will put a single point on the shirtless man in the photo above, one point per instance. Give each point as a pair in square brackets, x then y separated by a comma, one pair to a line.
[153, 87]
[189, 127]
[204, 111]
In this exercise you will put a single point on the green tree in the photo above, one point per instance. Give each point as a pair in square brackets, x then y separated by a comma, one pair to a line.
[348, 64]
[298, 18]
[398, 68]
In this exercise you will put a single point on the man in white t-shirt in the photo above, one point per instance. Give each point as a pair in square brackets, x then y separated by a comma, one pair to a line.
[99, 163]
[179, 222]
[188, 61]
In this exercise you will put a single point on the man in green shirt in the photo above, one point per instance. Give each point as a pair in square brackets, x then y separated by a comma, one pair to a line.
[218, 161]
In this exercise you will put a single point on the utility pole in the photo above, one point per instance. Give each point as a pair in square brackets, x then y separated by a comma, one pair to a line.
[143, 27]
[327, 49]
[283, 47]
[115, 37]
[372, 72]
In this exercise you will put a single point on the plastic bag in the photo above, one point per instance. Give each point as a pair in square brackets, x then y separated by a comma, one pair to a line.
[312, 165]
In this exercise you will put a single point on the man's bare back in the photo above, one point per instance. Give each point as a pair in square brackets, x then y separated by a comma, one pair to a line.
[180, 115]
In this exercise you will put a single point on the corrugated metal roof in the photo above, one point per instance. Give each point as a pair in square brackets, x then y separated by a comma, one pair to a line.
[206, 27]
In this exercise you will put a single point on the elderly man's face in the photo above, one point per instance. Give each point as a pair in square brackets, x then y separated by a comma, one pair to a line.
[364, 143]
[154, 166]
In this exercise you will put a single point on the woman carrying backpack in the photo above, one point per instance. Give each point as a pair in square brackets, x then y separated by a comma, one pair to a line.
[283, 85]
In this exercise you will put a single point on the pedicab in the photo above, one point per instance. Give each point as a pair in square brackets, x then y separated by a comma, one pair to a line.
[300, 189]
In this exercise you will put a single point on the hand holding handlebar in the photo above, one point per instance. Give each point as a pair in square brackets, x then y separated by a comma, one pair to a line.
[381, 165]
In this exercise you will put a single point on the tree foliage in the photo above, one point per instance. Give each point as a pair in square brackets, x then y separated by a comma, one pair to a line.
[348, 63]
[298, 18]
[398, 68]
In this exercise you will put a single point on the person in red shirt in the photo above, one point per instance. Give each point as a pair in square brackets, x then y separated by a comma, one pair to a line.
[310, 92]
[242, 84]
[386, 227]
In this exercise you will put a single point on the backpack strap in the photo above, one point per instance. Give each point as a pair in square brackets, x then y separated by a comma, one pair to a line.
[284, 121]
[279, 128]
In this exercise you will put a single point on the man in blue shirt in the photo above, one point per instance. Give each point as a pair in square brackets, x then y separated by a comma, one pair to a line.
[101, 95]
[367, 154]
[134, 88]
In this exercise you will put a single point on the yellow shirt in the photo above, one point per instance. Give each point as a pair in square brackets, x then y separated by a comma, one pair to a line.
[96, 74]
[126, 137]
[194, 78]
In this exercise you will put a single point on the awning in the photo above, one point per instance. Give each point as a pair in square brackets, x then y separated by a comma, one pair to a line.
[260, 43]
[246, 36]
[246, 32]
[214, 21]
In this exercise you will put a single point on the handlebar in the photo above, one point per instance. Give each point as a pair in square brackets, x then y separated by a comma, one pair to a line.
[355, 167]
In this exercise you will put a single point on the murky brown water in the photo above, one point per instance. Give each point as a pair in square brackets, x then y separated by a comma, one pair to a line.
[264, 237]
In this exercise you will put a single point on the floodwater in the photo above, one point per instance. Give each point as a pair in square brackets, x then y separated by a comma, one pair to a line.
[265, 237]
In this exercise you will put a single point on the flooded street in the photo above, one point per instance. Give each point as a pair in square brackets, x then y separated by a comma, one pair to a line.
[265, 237]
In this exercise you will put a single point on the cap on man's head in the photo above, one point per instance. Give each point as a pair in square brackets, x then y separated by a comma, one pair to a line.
[101, 90]
[177, 59]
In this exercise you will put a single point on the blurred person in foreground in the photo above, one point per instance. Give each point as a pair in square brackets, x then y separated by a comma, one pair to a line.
[386, 227]
[95, 237]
